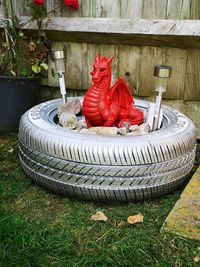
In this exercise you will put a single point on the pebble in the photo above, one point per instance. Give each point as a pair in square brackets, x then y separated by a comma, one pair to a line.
[122, 131]
[107, 131]
[72, 107]
[68, 120]
[126, 125]
[83, 124]
[144, 128]
[133, 128]
[139, 130]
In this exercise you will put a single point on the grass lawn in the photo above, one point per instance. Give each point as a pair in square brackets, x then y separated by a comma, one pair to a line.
[38, 228]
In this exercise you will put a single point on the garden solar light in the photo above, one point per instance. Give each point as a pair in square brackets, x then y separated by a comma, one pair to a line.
[162, 72]
[60, 69]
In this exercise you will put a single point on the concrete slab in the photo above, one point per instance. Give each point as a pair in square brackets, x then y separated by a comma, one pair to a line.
[184, 219]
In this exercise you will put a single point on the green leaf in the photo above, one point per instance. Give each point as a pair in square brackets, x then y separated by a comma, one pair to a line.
[36, 69]
[44, 66]
[21, 34]
[24, 72]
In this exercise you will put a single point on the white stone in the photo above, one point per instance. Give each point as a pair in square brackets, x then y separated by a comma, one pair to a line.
[107, 131]
[133, 128]
[144, 128]
[72, 107]
[140, 130]
[126, 125]
[83, 124]
[122, 131]
[68, 120]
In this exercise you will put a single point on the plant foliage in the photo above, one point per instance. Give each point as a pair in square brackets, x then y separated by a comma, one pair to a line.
[22, 54]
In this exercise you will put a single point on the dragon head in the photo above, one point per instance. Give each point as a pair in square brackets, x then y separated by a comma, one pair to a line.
[101, 68]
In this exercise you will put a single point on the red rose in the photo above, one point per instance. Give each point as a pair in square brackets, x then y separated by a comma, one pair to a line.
[71, 3]
[38, 2]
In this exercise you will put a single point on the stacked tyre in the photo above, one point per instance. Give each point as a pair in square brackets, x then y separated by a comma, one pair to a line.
[116, 168]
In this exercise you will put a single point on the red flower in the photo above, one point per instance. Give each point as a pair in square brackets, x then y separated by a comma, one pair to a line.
[38, 2]
[71, 3]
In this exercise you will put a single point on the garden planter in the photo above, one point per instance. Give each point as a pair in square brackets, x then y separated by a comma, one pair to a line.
[116, 168]
[17, 95]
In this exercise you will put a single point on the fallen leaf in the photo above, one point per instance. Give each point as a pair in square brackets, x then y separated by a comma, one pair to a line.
[10, 150]
[99, 216]
[196, 259]
[138, 218]
[121, 223]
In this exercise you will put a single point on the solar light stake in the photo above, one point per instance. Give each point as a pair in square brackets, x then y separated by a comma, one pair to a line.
[60, 69]
[162, 72]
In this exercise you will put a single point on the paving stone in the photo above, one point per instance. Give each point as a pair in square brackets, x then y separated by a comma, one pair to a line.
[184, 219]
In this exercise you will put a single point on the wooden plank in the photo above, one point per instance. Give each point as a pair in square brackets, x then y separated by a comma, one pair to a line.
[52, 79]
[89, 51]
[54, 8]
[74, 66]
[126, 39]
[117, 26]
[50, 7]
[175, 58]
[75, 93]
[89, 9]
[25, 10]
[108, 9]
[195, 9]
[192, 83]
[184, 13]
[131, 9]
[111, 51]
[120, 31]
[154, 9]
[148, 9]
[18, 7]
[177, 9]
[129, 66]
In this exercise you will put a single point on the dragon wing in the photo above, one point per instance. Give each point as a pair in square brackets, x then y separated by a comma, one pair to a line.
[120, 93]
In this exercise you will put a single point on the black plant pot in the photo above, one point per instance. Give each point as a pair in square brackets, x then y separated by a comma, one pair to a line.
[17, 95]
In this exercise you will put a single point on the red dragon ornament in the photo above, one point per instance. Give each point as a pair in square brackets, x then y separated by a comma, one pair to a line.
[105, 106]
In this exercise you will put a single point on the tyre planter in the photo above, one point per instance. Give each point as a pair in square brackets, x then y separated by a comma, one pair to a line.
[17, 95]
[119, 168]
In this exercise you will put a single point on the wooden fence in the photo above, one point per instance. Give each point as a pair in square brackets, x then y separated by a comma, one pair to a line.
[124, 9]
[177, 43]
